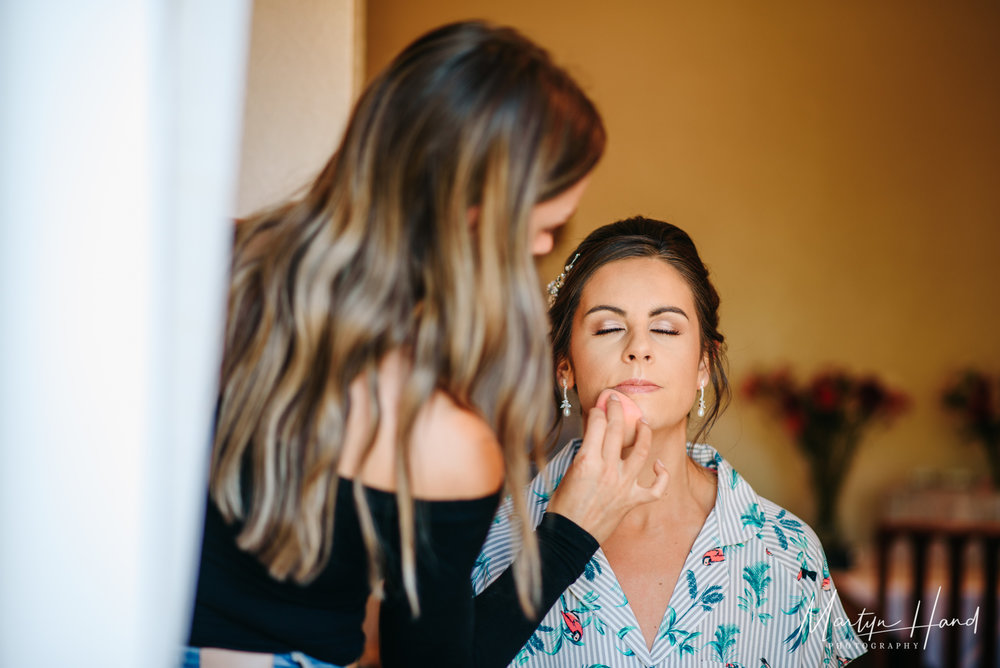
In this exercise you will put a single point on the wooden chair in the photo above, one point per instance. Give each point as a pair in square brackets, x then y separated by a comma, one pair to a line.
[919, 537]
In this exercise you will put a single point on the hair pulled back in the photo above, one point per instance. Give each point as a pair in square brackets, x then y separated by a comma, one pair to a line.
[640, 237]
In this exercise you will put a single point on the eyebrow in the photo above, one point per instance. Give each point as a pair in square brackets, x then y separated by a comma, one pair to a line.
[655, 312]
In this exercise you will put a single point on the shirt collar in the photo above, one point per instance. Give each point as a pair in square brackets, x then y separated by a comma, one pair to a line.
[734, 497]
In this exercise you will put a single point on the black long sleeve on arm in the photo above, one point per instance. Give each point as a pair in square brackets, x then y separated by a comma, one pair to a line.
[451, 533]
[501, 628]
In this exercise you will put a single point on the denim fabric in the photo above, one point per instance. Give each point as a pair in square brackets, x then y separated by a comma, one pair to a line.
[192, 659]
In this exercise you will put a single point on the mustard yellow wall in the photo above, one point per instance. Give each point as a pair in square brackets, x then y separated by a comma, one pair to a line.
[838, 165]
[303, 73]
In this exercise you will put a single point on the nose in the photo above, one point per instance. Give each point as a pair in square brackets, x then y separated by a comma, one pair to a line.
[638, 348]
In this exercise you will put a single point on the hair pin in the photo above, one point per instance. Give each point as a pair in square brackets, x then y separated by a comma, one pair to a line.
[555, 285]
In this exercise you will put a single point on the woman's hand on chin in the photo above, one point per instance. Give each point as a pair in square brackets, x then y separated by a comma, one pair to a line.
[600, 487]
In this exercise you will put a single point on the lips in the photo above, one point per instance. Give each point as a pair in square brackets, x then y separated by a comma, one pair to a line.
[636, 386]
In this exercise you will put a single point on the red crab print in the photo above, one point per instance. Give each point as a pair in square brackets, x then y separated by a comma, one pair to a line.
[574, 625]
[713, 556]
[826, 583]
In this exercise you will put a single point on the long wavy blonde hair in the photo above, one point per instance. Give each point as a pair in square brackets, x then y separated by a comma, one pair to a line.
[379, 255]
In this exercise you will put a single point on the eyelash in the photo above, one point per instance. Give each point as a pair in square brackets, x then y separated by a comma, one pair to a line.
[602, 332]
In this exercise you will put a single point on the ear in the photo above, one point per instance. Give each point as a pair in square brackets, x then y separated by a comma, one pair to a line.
[704, 370]
[565, 370]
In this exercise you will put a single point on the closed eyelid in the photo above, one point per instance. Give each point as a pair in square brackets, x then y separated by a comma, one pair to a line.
[605, 327]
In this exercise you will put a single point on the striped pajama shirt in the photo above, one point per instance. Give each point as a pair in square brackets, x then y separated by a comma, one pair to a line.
[754, 591]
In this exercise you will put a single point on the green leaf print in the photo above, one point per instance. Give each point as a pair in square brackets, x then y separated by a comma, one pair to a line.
[592, 569]
[667, 629]
[686, 647]
[798, 603]
[711, 596]
[798, 637]
[754, 593]
[622, 632]
[804, 606]
[725, 641]
[782, 541]
[706, 599]
[481, 571]
[677, 636]
[734, 479]
[590, 601]
[616, 588]
[781, 524]
[788, 523]
[800, 542]
[754, 517]
[541, 498]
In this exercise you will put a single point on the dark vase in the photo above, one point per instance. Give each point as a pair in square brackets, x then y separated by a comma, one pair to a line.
[829, 461]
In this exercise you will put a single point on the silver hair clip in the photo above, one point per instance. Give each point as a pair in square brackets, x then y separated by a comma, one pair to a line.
[555, 285]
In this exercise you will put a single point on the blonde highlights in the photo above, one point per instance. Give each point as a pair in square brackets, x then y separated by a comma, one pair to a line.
[380, 256]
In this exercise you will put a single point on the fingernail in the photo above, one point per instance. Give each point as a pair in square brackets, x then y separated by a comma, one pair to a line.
[613, 397]
[643, 420]
[662, 465]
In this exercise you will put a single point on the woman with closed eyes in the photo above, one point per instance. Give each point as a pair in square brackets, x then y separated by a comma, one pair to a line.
[711, 572]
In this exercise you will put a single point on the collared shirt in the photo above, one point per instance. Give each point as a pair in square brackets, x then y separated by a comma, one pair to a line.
[755, 590]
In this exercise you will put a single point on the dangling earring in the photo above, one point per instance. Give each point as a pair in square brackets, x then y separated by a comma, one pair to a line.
[701, 402]
[565, 405]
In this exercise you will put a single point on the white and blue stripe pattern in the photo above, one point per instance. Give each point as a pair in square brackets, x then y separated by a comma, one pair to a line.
[754, 591]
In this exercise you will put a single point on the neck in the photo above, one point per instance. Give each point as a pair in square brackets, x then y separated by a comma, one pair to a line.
[692, 487]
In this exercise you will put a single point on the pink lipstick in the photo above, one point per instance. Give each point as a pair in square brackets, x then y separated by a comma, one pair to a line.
[636, 386]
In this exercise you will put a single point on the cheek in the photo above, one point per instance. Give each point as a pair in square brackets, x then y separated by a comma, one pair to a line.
[589, 378]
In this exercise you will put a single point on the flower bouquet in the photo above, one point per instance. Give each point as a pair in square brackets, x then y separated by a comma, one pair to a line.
[973, 400]
[827, 417]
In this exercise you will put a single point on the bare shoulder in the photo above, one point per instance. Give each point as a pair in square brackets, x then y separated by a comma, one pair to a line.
[454, 453]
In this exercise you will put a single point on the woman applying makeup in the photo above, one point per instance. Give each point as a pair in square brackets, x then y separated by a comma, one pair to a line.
[385, 363]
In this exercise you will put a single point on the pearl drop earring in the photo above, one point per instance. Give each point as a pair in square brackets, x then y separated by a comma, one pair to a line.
[565, 405]
[701, 402]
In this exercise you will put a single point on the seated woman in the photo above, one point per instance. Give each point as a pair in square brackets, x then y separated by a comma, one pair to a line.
[712, 572]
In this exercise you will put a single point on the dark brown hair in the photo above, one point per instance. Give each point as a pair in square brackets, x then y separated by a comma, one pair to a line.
[642, 237]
